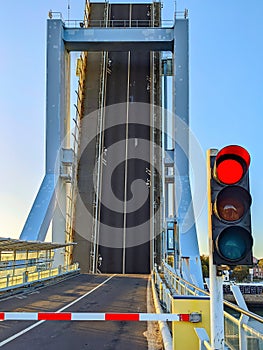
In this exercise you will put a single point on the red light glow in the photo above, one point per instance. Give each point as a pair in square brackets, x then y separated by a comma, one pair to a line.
[231, 164]
[229, 171]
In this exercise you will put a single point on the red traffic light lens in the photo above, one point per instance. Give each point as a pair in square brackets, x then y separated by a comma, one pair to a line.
[230, 171]
[232, 203]
[234, 243]
[231, 164]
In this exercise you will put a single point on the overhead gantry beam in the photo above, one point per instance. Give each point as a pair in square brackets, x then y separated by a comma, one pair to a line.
[118, 39]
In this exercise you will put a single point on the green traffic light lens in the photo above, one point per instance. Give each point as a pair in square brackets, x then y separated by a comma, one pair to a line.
[233, 243]
[232, 203]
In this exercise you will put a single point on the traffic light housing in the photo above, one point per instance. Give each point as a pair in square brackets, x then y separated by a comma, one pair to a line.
[229, 202]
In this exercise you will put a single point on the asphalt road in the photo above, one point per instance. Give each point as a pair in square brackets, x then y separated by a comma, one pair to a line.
[119, 294]
[128, 81]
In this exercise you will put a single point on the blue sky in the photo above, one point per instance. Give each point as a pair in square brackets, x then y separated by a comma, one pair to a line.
[226, 95]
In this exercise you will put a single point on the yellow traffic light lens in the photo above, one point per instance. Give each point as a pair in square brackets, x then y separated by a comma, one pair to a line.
[233, 243]
[232, 203]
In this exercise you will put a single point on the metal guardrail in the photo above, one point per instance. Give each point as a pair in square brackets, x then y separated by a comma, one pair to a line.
[99, 158]
[125, 23]
[55, 15]
[16, 281]
[243, 333]
[75, 144]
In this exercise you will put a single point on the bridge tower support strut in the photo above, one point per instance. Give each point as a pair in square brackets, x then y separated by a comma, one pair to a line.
[50, 202]
[184, 213]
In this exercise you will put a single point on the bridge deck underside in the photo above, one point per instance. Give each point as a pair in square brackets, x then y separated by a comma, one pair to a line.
[121, 246]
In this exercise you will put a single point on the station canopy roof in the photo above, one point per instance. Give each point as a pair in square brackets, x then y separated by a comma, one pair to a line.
[10, 244]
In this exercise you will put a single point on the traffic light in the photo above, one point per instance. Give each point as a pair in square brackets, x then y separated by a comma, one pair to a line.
[229, 203]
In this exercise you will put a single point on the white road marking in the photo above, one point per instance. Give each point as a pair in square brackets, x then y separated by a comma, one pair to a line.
[150, 326]
[126, 165]
[13, 337]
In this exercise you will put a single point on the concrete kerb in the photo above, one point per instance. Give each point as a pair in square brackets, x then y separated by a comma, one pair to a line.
[164, 329]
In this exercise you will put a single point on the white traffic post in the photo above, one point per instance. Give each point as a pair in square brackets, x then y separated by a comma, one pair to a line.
[216, 282]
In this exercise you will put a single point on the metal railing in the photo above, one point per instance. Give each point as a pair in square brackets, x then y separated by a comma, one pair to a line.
[243, 329]
[122, 23]
[99, 154]
[58, 15]
[16, 281]
[75, 144]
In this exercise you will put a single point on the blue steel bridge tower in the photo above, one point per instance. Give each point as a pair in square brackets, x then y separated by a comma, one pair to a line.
[121, 64]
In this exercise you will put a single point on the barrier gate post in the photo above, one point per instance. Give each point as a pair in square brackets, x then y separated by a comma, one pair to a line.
[184, 336]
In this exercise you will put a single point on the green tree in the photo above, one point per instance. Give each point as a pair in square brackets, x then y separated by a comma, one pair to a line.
[240, 273]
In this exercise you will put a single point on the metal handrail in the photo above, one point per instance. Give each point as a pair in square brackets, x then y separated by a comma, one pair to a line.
[114, 23]
[243, 311]
[58, 15]
[99, 147]
[227, 303]
[74, 167]
[15, 281]
[125, 23]
[180, 285]
[245, 326]
[55, 15]
[170, 269]
[181, 14]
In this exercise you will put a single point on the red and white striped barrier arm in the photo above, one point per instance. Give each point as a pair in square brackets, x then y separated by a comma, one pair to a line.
[88, 316]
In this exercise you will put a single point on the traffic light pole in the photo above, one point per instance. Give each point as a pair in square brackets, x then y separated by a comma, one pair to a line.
[229, 222]
[216, 307]
[216, 282]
